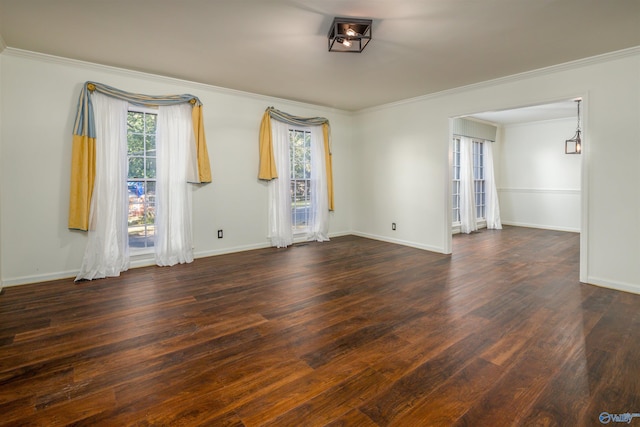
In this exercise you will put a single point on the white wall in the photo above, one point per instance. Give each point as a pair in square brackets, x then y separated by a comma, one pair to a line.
[401, 152]
[391, 163]
[401, 166]
[39, 96]
[538, 184]
[2, 47]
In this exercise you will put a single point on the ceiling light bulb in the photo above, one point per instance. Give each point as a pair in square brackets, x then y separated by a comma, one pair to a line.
[347, 43]
[350, 32]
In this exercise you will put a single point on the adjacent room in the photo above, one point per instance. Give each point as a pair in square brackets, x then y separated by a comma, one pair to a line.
[534, 184]
[301, 212]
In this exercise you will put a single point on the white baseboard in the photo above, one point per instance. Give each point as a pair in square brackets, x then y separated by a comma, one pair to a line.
[143, 260]
[399, 242]
[266, 244]
[541, 226]
[231, 250]
[618, 286]
[36, 278]
[340, 234]
[147, 261]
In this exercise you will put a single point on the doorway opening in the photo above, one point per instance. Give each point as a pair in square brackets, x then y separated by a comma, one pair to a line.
[537, 184]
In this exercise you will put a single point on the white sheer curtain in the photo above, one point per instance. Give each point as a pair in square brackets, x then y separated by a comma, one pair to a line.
[175, 167]
[491, 193]
[319, 215]
[280, 231]
[468, 220]
[107, 252]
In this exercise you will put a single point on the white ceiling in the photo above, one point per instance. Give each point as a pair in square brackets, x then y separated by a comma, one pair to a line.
[279, 47]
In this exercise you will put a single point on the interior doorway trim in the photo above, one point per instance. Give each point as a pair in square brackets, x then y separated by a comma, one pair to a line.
[584, 178]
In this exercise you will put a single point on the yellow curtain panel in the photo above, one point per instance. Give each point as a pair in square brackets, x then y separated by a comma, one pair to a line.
[83, 171]
[267, 169]
[204, 167]
[328, 163]
[267, 163]
[83, 158]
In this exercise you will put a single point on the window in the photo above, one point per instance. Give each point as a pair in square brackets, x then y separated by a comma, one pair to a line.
[478, 179]
[455, 189]
[299, 199]
[141, 178]
[300, 167]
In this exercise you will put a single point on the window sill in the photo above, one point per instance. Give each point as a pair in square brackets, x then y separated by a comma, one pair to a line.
[136, 252]
[455, 227]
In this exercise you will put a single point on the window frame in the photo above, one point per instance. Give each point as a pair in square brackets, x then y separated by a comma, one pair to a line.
[479, 181]
[455, 186]
[147, 248]
[293, 180]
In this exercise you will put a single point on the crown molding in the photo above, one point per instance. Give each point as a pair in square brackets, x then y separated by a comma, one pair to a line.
[269, 100]
[566, 66]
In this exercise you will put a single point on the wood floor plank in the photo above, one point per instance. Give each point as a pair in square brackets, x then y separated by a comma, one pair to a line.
[352, 418]
[565, 399]
[71, 411]
[398, 399]
[333, 402]
[347, 332]
[453, 398]
[265, 408]
[527, 376]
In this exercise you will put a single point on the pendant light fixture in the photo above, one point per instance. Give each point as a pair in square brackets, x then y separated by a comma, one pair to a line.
[574, 145]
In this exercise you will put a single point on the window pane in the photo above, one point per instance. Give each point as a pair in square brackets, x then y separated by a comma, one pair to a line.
[150, 122]
[135, 144]
[136, 167]
[300, 156]
[135, 188]
[150, 188]
[135, 122]
[141, 235]
[151, 168]
[136, 207]
[150, 145]
[149, 209]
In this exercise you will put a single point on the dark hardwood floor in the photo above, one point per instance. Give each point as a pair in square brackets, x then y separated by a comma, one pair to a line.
[347, 332]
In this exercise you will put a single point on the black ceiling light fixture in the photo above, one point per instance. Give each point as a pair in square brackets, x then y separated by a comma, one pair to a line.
[349, 34]
[574, 145]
